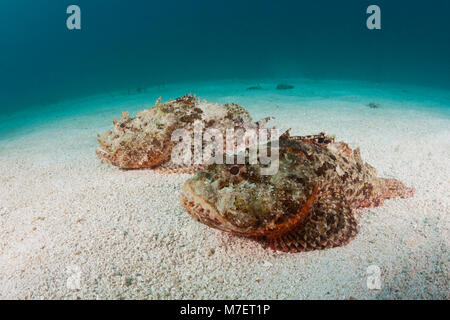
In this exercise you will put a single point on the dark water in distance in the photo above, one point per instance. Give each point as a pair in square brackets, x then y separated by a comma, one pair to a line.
[127, 44]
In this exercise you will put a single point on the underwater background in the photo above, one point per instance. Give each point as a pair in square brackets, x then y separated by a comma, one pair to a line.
[383, 92]
[137, 43]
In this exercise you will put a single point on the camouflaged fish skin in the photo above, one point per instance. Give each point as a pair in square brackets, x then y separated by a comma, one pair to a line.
[306, 205]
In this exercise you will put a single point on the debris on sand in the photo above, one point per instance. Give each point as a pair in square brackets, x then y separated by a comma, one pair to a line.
[373, 105]
[284, 86]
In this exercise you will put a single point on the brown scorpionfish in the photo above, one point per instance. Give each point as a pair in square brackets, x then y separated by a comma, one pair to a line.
[306, 205]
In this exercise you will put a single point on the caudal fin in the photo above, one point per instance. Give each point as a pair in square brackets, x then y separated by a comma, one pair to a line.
[383, 189]
[391, 188]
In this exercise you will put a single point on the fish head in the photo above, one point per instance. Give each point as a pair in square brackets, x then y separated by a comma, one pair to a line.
[140, 142]
[238, 198]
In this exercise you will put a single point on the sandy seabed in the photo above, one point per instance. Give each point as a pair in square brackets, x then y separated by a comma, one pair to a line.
[72, 227]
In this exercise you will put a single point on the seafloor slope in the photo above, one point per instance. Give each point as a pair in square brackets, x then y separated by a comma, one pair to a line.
[65, 217]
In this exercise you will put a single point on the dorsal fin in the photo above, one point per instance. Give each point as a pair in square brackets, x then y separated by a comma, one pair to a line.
[286, 135]
[261, 123]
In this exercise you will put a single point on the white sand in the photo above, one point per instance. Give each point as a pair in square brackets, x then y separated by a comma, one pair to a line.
[125, 231]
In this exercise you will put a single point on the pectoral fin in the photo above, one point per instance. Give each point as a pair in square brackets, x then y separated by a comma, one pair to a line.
[330, 223]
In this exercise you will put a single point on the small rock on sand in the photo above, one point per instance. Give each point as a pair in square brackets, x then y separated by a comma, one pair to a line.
[284, 86]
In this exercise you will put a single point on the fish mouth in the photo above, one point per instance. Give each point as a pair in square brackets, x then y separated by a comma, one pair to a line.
[101, 151]
[205, 212]
[104, 155]
[202, 211]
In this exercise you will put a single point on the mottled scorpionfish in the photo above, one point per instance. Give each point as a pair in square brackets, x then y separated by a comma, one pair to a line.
[306, 205]
[144, 141]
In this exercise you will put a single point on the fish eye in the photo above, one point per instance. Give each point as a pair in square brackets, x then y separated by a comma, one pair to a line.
[234, 170]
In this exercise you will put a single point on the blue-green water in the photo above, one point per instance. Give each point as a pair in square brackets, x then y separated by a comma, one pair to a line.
[125, 45]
